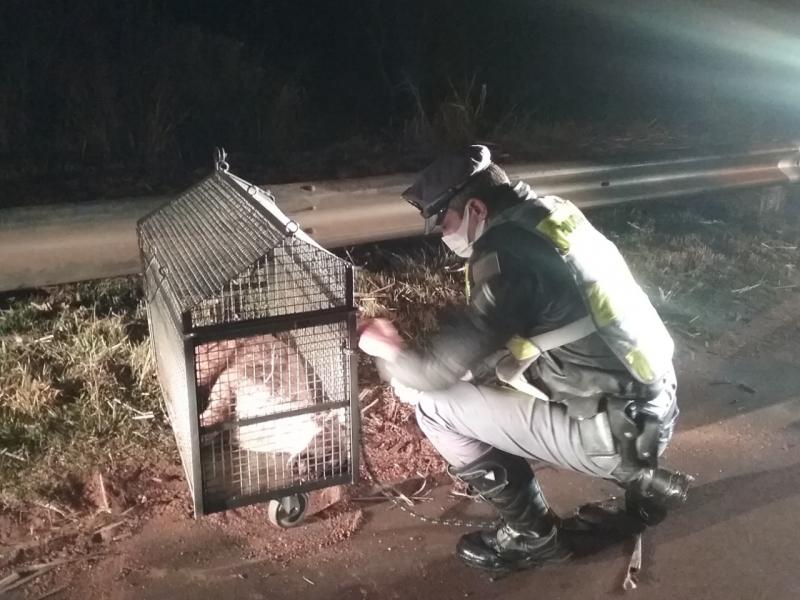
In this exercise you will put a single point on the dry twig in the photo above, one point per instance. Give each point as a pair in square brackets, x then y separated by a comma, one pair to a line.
[108, 527]
[768, 247]
[145, 416]
[9, 454]
[23, 576]
[369, 406]
[458, 494]
[747, 288]
[383, 499]
[634, 566]
[106, 506]
[402, 496]
[421, 488]
[27, 574]
[52, 592]
[50, 507]
[130, 408]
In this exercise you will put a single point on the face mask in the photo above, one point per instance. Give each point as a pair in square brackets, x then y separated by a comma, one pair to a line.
[458, 241]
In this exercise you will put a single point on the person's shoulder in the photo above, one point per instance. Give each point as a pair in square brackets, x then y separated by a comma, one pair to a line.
[484, 265]
[512, 251]
[511, 240]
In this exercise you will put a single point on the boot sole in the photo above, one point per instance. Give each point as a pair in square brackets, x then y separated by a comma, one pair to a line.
[533, 563]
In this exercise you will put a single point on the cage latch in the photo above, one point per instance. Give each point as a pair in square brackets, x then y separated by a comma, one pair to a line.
[220, 160]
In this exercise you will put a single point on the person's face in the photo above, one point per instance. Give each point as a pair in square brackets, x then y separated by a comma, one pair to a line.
[452, 218]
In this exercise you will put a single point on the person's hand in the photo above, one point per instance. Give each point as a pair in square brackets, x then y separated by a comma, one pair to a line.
[379, 338]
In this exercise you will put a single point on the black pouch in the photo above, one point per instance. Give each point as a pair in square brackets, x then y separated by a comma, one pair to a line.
[596, 436]
[636, 433]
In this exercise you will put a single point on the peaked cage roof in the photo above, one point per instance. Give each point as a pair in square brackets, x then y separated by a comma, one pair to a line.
[211, 233]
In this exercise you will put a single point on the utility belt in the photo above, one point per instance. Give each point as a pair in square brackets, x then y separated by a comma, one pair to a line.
[615, 426]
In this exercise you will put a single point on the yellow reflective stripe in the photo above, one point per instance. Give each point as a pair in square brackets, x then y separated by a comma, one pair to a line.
[600, 305]
[640, 365]
[521, 348]
[467, 287]
[558, 226]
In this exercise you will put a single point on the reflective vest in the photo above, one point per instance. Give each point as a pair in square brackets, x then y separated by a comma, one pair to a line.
[622, 313]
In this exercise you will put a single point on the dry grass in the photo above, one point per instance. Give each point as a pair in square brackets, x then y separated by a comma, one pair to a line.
[709, 263]
[458, 119]
[77, 388]
[411, 286]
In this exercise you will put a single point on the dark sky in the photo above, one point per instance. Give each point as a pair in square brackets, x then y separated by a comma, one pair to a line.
[141, 80]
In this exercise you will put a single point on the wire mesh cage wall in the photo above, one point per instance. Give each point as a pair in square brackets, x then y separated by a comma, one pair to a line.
[253, 330]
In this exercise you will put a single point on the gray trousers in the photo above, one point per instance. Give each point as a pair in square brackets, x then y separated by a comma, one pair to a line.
[466, 421]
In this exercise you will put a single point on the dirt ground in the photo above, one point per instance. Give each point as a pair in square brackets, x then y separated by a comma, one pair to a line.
[736, 538]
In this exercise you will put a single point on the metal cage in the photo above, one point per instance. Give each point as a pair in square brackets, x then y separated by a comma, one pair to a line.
[253, 330]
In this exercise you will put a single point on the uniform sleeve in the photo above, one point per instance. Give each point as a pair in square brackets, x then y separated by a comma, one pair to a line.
[502, 304]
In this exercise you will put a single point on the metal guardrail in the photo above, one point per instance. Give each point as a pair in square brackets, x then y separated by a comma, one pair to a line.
[47, 245]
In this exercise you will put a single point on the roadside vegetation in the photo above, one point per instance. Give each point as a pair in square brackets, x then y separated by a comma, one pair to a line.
[710, 263]
[108, 117]
[77, 390]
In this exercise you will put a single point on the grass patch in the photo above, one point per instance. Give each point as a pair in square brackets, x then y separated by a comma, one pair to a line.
[77, 388]
[411, 284]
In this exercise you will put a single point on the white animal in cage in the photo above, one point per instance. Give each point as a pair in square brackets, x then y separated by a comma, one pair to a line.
[264, 376]
[291, 435]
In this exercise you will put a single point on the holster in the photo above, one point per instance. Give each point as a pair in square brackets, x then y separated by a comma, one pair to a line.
[636, 434]
[618, 429]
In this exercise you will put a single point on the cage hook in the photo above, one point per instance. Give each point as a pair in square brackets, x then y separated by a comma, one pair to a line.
[220, 162]
[164, 272]
[292, 227]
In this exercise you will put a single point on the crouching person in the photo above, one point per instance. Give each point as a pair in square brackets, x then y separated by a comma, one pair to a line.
[581, 362]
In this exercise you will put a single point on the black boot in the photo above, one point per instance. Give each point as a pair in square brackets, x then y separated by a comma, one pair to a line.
[528, 536]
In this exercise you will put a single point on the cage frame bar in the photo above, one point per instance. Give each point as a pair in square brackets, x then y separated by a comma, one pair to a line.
[352, 361]
[307, 410]
[194, 426]
[229, 502]
[267, 325]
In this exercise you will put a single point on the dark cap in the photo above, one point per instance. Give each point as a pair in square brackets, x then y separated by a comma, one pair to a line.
[440, 182]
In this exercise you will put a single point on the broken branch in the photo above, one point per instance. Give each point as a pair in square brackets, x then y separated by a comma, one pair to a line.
[634, 566]
[370, 405]
[747, 288]
[104, 496]
[49, 506]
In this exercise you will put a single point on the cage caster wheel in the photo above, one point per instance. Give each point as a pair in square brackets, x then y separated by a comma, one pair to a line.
[288, 511]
